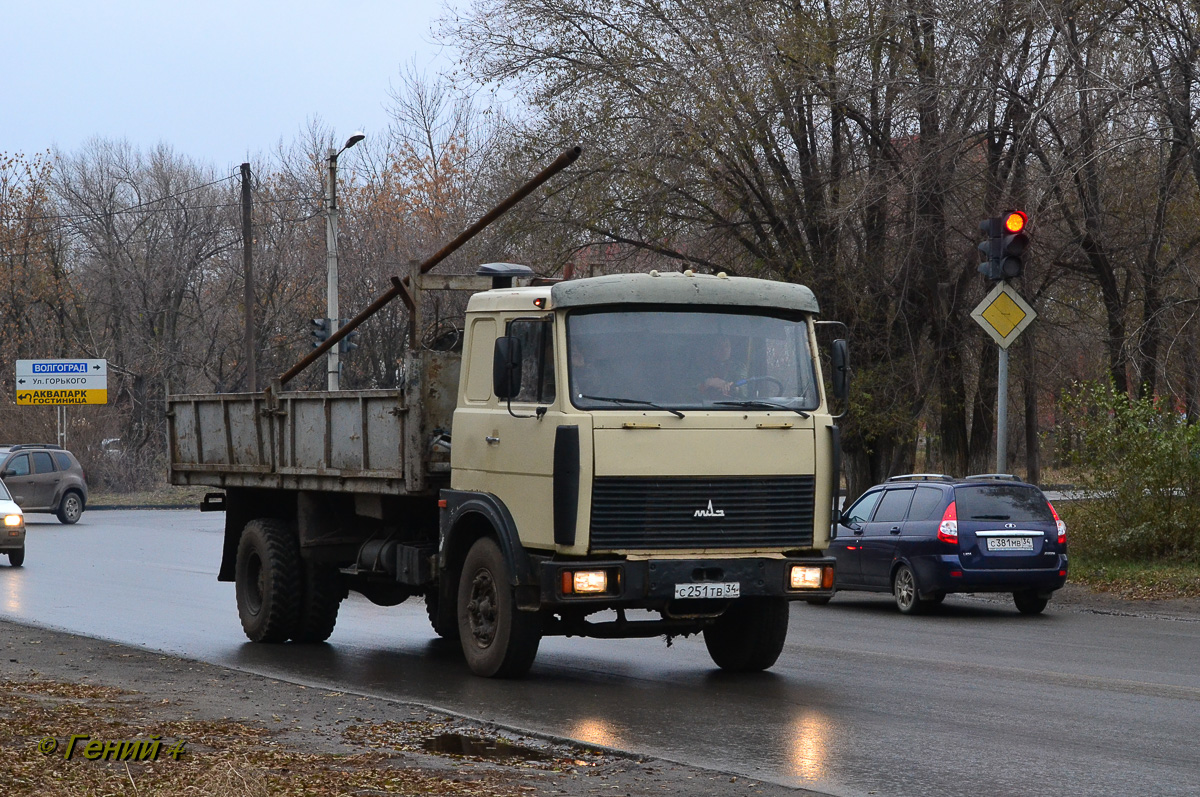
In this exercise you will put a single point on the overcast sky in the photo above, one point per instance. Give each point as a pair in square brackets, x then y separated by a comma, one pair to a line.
[218, 80]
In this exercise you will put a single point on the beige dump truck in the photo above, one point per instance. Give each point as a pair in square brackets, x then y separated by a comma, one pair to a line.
[632, 455]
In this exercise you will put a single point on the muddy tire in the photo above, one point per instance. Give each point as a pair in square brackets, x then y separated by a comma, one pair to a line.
[268, 579]
[498, 641]
[323, 593]
[749, 636]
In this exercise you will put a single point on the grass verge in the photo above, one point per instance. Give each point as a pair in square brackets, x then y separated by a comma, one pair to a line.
[165, 495]
[1136, 580]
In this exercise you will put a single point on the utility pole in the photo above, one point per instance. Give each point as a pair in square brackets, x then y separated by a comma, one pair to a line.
[331, 265]
[248, 283]
[331, 256]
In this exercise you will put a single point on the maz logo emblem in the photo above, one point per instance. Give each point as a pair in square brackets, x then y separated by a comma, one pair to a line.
[710, 512]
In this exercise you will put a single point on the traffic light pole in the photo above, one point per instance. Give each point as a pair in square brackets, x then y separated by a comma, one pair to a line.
[1002, 413]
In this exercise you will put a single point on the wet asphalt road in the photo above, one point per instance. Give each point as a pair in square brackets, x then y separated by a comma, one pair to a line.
[973, 700]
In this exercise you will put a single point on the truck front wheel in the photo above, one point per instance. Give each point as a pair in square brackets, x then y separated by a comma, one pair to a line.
[498, 641]
[268, 581]
[749, 636]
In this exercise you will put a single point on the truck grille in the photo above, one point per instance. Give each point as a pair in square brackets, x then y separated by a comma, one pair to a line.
[666, 513]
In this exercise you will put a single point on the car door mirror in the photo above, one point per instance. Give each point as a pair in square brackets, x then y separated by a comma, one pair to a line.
[506, 367]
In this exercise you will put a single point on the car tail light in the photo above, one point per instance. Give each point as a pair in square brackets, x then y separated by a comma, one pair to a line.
[948, 530]
[1062, 527]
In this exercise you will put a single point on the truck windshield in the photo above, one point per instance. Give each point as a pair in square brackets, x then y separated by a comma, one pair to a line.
[690, 359]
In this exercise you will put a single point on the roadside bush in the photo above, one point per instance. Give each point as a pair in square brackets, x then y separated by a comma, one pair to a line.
[1138, 463]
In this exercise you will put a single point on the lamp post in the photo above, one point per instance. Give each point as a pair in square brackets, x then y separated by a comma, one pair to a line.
[331, 264]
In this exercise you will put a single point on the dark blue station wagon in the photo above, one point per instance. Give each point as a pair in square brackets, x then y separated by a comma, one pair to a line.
[922, 536]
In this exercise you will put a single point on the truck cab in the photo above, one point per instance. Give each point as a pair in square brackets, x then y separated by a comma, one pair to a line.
[655, 442]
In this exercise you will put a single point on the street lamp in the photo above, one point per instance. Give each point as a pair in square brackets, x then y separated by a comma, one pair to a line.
[331, 288]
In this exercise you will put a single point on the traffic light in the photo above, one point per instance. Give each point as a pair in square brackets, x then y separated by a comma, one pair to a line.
[320, 330]
[346, 344]
[1004, 247]
[1013, 243]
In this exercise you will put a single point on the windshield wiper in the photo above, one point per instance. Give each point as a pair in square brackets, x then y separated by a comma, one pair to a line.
[774, 405]
[639, 402]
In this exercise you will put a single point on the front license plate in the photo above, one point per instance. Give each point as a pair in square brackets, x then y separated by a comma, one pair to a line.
[1010, 543]
[730, 589]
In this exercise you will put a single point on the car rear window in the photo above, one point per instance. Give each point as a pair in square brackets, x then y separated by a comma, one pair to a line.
[1015, 502]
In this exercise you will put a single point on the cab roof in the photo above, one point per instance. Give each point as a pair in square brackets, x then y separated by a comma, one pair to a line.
[652, 288]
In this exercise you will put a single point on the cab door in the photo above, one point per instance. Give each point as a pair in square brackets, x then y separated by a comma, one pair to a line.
[507, 447]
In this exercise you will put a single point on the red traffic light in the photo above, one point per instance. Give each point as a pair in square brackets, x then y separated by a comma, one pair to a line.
[1014, 222]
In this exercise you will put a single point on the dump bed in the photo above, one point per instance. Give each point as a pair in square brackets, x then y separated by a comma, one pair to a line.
[356, 441]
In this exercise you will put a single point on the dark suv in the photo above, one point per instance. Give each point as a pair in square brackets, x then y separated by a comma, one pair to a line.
[922, 536]
[45, 478]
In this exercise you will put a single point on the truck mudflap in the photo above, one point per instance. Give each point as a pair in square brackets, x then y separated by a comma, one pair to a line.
[660, 583]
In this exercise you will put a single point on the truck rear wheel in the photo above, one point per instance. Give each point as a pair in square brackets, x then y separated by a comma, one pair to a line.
[268, 581]
[498, 641]
[323, 593]
[749, 636]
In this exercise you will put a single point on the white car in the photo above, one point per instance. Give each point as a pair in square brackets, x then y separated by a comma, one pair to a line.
[12, 541]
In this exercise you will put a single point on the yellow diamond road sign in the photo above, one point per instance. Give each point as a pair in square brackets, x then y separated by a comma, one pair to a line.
[1003, 314]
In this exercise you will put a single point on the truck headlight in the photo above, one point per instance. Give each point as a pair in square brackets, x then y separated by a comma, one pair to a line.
[811, 577]
[584, 582]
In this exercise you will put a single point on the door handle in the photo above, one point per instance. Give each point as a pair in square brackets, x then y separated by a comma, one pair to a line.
[491, 441]
[894, 530]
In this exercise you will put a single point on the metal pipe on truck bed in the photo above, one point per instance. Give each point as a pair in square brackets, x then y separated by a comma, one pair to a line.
[398, 288]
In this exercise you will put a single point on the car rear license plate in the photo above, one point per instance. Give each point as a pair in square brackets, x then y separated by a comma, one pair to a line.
[730, 589]
[1010, 543]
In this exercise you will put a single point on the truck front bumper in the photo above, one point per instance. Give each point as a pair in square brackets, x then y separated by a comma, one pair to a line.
[657, 583]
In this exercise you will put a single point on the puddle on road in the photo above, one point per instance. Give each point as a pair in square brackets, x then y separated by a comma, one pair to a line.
[494, 749]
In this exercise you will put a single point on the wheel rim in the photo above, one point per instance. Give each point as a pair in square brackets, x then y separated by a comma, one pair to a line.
[481, 609]
[72, 509]
[905, 588]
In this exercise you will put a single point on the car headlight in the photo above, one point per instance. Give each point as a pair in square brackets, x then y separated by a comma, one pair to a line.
[14, 521]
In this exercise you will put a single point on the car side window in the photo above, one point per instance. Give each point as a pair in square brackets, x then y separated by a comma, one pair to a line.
[42, 462]
[64, 461]
[861, 511]
[894, 505]
[18, 465]
[926, 504]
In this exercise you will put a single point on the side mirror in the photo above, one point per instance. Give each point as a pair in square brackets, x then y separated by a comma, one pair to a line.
[506, 367]
[840, 355]
[8, 473]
